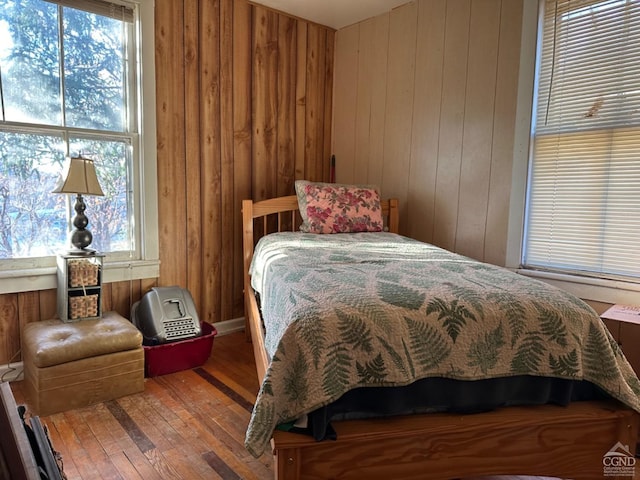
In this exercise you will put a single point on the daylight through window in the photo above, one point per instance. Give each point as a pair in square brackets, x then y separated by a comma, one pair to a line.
[67, 87]
[583, 206]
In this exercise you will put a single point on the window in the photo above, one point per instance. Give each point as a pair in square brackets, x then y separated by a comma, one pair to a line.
[583, 202]
[70, 84]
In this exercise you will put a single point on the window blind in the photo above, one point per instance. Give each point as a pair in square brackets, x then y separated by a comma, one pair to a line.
[583, 202]
[99, 7]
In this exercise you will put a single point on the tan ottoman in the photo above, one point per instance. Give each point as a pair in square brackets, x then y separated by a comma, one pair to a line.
[71, 365]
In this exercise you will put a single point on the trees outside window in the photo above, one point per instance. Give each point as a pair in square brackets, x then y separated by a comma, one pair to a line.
[68, 87]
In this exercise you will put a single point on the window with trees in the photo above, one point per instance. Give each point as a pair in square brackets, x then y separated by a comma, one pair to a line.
[69, 85]
[583, 205]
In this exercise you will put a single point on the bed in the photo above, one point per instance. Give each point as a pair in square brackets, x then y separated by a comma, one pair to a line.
[572, 441]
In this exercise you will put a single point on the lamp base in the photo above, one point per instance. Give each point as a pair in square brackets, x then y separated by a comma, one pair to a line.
[81, 251]
[81, 238]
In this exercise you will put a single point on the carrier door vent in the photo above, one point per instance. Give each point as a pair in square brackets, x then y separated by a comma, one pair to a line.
[180, 328]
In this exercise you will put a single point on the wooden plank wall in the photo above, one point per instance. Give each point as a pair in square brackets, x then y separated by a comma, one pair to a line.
[244, 109]
[244, 97]
[426, 109]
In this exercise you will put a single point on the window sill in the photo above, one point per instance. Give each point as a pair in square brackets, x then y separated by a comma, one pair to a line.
[16, 281]
[587, 288]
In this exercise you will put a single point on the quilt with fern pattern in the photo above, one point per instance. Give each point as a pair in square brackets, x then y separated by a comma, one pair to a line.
[344, 311]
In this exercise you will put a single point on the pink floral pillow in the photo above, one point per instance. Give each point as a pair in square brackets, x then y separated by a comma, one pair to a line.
[336, 208]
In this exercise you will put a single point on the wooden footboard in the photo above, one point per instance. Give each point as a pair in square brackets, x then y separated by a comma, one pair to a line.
[566, 442]
[547, 440]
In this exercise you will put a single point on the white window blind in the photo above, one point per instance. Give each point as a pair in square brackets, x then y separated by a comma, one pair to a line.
[99, 7]
[583, 204]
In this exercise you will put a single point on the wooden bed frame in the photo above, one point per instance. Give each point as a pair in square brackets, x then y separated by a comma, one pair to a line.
[547, 440]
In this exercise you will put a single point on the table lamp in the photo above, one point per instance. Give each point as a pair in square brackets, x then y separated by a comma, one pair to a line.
[80, 179]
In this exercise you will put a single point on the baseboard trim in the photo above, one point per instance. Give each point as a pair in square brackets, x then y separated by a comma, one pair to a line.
[230, 326]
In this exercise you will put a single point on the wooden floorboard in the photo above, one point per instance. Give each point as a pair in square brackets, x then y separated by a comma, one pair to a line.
[185, 425]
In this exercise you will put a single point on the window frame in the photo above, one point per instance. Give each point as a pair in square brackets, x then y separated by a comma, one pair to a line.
[22, 275]
[561, 235]
[605, 291]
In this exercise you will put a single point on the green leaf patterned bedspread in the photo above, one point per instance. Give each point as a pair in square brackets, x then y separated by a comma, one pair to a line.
[377, 309]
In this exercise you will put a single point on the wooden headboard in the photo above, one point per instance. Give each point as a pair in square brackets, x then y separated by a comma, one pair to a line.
[281, 214]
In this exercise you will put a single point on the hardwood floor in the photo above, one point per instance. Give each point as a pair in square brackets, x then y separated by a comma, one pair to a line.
[185, 425]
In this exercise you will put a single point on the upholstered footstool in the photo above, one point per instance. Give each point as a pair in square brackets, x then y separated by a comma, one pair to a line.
[72, 365]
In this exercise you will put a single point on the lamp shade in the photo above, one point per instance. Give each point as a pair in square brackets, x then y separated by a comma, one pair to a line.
[80, 178]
